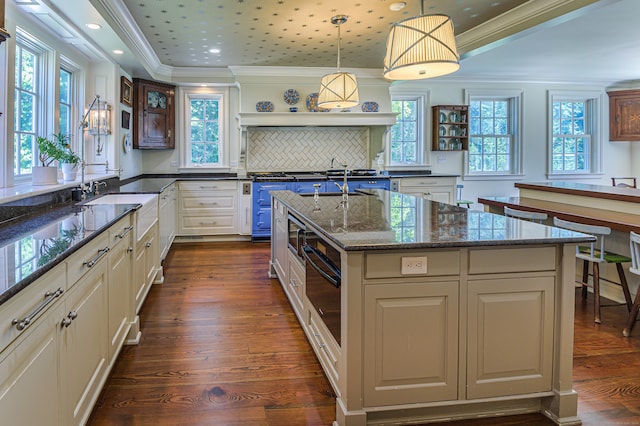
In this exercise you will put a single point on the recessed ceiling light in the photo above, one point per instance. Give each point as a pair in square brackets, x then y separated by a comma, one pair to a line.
[397, 6]
[118, 51]
[214, 50]
[93, 26]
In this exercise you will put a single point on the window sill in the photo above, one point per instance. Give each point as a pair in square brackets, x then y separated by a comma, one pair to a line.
[26, 189]
[494, 177]
[569, 176]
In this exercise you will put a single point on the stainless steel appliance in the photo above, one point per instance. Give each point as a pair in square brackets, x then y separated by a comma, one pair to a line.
[323, 280]
[296, 236]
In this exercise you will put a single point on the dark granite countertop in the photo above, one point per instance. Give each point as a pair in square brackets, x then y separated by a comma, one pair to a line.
[37, 244]
[391, 220]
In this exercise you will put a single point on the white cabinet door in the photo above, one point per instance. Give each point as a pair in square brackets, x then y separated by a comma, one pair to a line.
[167, 219]
[279, 241]
[120, 282]
[83, 344]
[515, 356]
[441, 189]
[29, 375]
[410, 343]
[146, 265]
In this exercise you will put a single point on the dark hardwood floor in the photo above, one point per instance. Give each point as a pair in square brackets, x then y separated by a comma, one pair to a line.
[221, 346]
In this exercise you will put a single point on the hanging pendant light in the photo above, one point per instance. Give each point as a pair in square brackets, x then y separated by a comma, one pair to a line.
[421, 47]
[340, 89]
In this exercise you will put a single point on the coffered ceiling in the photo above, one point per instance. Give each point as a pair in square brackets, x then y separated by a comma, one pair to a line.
[191, 40]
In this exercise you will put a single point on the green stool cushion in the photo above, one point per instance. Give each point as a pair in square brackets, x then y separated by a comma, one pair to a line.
[609, 257]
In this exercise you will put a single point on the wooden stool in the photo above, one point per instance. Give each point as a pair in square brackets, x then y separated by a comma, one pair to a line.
[634, 242]
[521, 214]
[459, 200]
[596, 254]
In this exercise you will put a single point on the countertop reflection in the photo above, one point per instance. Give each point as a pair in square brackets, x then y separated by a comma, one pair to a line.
[35, 245]
[391, 220]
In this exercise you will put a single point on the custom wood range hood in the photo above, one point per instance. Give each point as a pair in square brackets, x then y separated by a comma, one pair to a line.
[330, 119]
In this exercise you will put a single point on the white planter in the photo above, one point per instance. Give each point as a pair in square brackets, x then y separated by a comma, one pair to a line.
[69, 171]
[44, 175]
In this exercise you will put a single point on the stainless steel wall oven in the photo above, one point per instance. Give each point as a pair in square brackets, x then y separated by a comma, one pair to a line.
[323, 280]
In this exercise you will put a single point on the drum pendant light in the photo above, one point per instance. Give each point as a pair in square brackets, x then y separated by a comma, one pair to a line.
[421, 47]
[340, 89]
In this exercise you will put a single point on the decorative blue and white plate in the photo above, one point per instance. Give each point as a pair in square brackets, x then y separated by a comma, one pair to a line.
[312, 103]
[264, 106]
[291, 96]
[126, 143]
[370, 107]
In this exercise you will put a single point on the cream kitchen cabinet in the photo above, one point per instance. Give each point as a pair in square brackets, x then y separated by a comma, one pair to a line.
[83, 344]
[279, 237]
[295, 285]
[147, 263]
[441, 189]
[119, 290]
[410, 342]
[208, 207]
[167, 218]
[29, 356]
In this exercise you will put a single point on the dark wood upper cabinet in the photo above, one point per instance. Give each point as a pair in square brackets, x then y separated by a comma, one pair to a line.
[624, 115]
[3, 33]
[154, 115]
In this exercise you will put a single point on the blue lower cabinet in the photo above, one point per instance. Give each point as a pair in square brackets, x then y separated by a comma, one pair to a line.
[261, 207]
[369, 184]
[307, 187]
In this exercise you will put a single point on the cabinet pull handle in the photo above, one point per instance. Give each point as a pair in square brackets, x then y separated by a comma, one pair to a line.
[49, 297]
[212, 203]
[66, 322]
[148, 244]
[129, 249]
[125, 232]
[91, 263]
[207, 223]
[318, 341]
[208, 187]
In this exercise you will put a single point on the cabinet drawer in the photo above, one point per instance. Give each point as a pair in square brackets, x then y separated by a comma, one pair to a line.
[422, 182]
[25, 303]
[389, 265]
[80, 262]
[525, 259]
[326, 348]
[121, 231]
[217, 202]
[207, 224]
[216, 185]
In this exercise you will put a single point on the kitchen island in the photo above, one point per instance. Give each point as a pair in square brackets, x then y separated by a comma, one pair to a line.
[445, 313]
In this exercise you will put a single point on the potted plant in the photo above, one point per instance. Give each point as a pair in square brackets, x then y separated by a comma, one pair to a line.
[45, 173]
[69, 159]
[50, 150]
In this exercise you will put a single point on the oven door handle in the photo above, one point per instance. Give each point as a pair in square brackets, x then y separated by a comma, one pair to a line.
[307, 250]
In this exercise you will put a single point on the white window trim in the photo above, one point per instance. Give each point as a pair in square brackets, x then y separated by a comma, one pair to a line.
[517, 157]
[423, 148]
[77, 107]
[597, 136]
[186, 94]
[45, 123]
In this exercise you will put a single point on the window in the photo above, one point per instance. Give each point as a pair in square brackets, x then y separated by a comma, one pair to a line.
[205, 133]
[404, 134]
[574, 146]
[65, 105]
[27, 106]
[494, 137]
[406, 140]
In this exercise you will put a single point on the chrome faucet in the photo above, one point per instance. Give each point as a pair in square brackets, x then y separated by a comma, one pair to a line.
[344, 188]
[97, 186]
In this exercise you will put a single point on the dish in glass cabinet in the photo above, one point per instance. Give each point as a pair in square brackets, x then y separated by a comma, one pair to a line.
[454, 117]
[264, 106]
[453, 131]
[443, 131]
[312, 103]
[291, 96]
[443, 117]
[370, 107]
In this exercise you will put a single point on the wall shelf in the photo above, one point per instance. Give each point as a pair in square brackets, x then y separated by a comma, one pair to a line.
[450, 130]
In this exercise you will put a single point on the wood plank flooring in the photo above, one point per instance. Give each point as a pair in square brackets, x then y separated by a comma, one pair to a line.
[221, 346]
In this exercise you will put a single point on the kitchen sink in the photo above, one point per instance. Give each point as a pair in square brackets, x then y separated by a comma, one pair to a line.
[146, 215]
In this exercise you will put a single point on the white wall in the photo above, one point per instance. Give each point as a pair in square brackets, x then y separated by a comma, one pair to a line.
[616, 158]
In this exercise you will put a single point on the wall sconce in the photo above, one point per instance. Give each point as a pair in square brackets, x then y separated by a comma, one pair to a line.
[99, 119]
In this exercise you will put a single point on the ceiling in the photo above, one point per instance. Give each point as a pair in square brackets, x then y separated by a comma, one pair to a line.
[560, 40]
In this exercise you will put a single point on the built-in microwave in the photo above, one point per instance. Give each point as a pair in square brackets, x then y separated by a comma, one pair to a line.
[296, 236]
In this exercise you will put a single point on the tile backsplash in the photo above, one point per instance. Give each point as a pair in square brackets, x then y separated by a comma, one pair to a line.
[306, 148]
